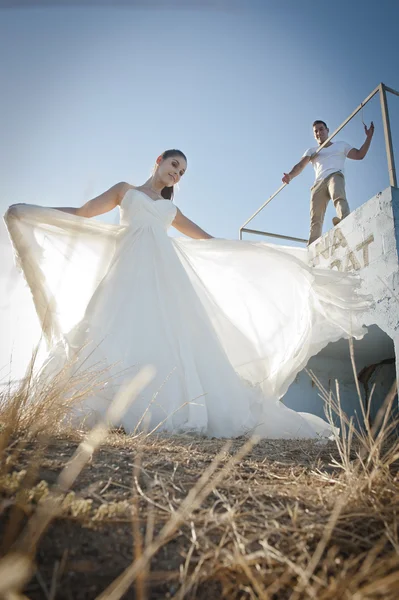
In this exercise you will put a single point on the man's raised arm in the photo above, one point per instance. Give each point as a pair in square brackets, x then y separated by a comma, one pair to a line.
[359, 154]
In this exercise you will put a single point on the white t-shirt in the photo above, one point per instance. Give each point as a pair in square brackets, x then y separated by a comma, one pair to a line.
[329, 160]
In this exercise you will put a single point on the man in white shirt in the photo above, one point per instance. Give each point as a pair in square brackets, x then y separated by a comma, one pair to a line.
[330, 181]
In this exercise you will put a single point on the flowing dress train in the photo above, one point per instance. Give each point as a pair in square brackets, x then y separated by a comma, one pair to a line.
[227, 324]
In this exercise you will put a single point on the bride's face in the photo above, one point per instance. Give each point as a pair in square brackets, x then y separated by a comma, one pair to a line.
[171, 170]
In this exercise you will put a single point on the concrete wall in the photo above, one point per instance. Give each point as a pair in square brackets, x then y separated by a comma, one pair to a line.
[367, 242]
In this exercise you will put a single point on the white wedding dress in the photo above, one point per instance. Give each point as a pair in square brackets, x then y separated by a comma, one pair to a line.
[226, 324]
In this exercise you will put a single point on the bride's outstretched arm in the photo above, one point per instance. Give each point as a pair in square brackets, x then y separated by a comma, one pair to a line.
[184, 225]
[101, 204]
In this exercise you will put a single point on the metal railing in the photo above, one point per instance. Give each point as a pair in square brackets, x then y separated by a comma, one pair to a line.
[382, 90]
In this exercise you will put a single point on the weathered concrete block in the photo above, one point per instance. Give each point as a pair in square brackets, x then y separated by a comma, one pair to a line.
[367, 243]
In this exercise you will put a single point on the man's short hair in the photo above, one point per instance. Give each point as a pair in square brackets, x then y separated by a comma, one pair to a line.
[318, 122]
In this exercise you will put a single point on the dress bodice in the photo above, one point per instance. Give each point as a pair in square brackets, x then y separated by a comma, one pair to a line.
[138, 209]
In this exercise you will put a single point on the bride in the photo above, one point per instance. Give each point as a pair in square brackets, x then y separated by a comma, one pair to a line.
[227, 324]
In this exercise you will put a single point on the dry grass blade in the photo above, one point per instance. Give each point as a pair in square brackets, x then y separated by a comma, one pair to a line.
[15, 571]
[140, 587]
[257, 585]
[380, 588]
[192, 501]
[321, 546]
[47, 511]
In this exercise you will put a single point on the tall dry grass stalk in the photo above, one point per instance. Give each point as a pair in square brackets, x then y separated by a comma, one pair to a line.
[39, 408]
[206, 483]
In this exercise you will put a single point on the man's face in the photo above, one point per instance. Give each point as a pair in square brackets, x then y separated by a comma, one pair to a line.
[320, 132]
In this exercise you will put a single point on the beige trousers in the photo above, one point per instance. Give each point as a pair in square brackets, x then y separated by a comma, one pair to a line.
[330, 188]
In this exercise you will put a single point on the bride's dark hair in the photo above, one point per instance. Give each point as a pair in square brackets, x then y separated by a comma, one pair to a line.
[168, 191]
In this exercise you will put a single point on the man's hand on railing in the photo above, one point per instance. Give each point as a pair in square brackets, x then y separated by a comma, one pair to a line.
[286, 178]
[296, 169]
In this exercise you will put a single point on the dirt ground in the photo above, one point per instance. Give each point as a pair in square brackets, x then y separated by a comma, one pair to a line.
[271, 509]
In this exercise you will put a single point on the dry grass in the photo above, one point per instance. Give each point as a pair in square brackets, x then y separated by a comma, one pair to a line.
[152, 516]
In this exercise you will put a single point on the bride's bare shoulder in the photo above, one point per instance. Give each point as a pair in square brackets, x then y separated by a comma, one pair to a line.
[122, 188]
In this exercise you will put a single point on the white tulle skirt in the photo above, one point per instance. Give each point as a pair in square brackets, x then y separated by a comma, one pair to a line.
[226, 324]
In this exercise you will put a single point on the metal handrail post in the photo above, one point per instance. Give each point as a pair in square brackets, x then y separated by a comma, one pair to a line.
[261, 208]
[275, 235]
[387, 135]
[390, 90]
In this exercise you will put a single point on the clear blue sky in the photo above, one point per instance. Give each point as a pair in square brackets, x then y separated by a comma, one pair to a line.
[91, 95]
